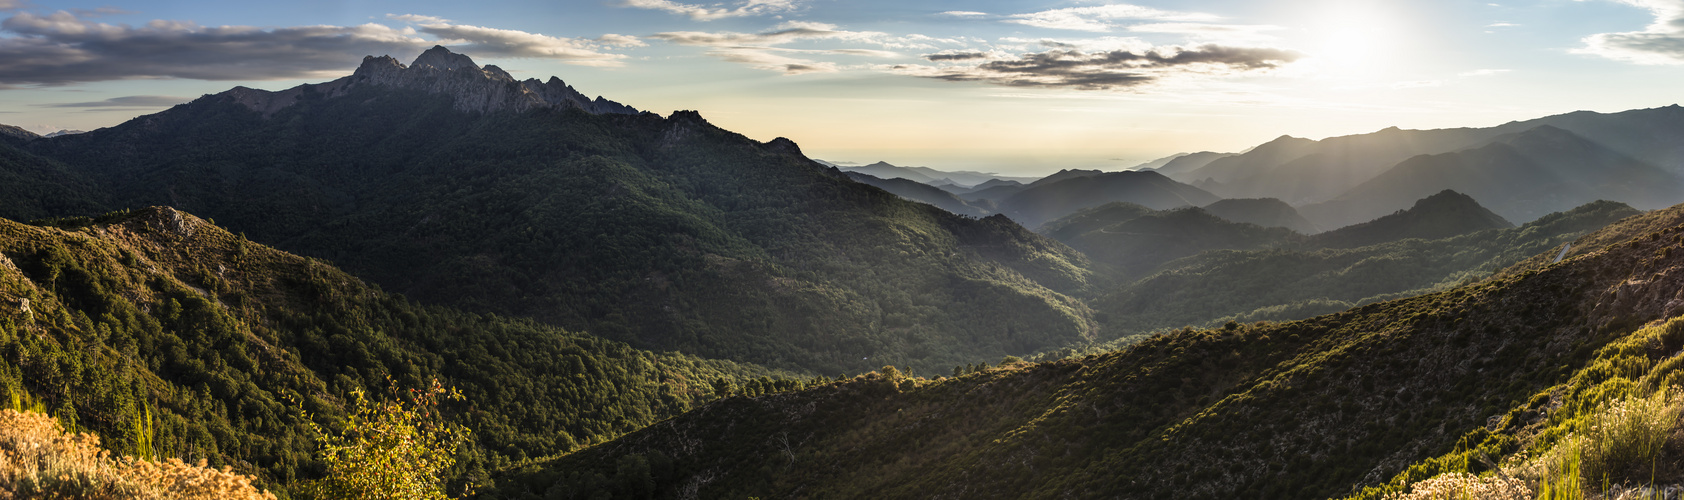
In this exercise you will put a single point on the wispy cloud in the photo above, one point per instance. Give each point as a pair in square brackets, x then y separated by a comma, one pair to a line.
[494, 42]
[416, 18]
[1120, 68]
[1481, 72]
[1416, 84]
[1662, 42]
[63, 48]
[964, 13]
[1501, 25]
[620, 40]
[765, 50]
[1102, 18]
[706, 13]
[1229, 33]
[133, 101]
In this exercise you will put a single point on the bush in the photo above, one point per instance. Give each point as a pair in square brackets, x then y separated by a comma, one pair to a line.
[38, 459]
[1623, 441]
[397, 449]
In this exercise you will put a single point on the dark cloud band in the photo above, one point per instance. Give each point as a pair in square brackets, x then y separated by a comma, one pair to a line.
[64, 48]
[1105, 70]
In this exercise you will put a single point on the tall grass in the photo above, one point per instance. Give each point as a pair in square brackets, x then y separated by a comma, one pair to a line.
[1561, 478]
[1618, 444]
[1623, 442]
[38, 459]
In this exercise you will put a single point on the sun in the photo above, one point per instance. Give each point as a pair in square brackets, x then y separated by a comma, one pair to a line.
[1354, 39]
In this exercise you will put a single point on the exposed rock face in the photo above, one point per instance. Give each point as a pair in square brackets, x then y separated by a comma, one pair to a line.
[440, 71]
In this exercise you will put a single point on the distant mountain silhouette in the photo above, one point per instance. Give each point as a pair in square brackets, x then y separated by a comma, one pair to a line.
[1044, 201]
[1069, 173]
[962, 178]
[1305, 172]
[1135, 240]
[1189, 162]
[1266, 212]
[1441, 215]
[922, 193]
[1520, 176]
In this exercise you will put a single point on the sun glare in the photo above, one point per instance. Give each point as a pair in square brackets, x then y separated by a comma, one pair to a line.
[1353, 39]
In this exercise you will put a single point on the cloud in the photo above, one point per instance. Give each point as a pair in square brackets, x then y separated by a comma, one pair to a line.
[703, 13]
[1120, 68]
[1205, 31]
[418, 19]
[133, 101]
[63, 48]
[11, 5]
[955, 56]
[1662, 42]
[1502, 25]
[493, 42]
[1101, 18]
[964, 13]
[768, 60]
[1417, 84]
[764, 50]
[620, 40]
[1482, 72]
[785, 33]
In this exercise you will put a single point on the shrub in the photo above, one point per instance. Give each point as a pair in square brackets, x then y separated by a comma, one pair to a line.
[1464, 486]
[1624, 440]
[397, 449]
[38, 459]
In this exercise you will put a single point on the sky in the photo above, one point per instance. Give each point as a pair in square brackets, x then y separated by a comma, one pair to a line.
[1011, 87]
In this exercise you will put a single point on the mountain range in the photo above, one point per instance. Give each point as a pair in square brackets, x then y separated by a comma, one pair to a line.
[961, 179]
[454, 184]
[647, 306]
[1362, 403]
[1521, 170]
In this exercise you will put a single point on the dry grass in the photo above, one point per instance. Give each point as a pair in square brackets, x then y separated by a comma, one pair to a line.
[1464, 486]
[39, 460]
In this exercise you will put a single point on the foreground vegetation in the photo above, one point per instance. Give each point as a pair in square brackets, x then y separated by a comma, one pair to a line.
[39, 459]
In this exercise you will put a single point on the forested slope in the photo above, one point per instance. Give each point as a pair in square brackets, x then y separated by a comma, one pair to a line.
[154, 326]
[1305, 409]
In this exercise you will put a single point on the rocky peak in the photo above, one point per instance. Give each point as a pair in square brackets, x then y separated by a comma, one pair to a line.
[442, 58]
[473, 88]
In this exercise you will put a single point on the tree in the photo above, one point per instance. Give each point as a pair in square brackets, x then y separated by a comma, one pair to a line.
[394, 449]
[723, 388]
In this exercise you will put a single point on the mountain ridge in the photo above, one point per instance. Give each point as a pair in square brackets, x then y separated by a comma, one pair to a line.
[439, 71]
[622, 225]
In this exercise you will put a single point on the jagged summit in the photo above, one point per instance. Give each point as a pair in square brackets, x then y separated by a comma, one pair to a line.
[473, 88]
[439, 57]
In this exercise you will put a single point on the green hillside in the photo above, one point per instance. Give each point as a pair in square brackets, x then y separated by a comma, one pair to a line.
[1307, 409]
[154, 326]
